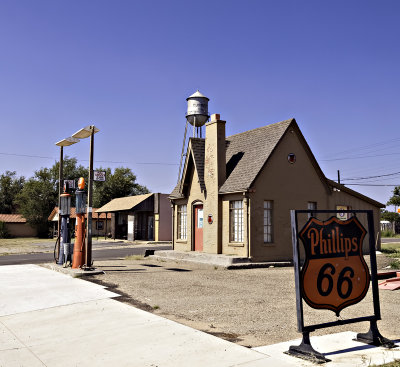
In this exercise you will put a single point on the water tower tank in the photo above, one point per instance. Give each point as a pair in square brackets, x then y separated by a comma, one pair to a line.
[197, 110]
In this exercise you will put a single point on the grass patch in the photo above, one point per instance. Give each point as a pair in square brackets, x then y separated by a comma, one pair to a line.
[391, 249]
[134, 257]
[388, 233]
[391, 364]
[24, 241]
[156, 307]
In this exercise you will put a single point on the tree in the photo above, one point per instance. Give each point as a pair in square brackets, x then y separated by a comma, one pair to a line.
[39, 194]
[118, 184]
[10, 187]
[395, 199]
[390, 216]
[37, 199]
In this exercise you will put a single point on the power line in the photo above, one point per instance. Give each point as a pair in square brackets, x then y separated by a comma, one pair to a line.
[357, 157]
[26, 155]
[368, 177]
[356, 184]
[86, 160]
[369, 146]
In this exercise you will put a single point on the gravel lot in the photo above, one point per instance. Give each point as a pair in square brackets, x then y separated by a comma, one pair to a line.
[251, 307]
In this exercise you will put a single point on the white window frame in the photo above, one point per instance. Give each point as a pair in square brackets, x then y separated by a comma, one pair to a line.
[268, 221]
[182, 222]
[236, 220]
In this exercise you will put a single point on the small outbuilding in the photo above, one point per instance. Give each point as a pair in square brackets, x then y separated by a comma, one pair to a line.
[140, 218]
[17, 226]
[235, 193]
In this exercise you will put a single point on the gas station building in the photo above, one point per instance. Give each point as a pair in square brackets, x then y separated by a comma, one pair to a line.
[235, 193]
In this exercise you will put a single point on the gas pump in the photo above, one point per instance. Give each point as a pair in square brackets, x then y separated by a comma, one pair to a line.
[65, 239]
[79, 247]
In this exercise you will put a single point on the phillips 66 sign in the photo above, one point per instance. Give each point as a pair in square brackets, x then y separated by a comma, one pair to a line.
[334, 274]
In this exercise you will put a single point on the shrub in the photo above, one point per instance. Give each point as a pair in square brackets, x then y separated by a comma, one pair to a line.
[395, 264]
[3, 230]
[388, 250]
[387, 233]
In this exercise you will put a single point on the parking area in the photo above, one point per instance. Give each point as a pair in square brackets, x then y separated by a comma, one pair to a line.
[251, 307]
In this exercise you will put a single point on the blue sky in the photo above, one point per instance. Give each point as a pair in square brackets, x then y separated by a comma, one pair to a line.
[128, 67]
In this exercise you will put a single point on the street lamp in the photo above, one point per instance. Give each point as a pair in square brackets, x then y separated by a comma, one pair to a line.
[82, 134]
[62, 143]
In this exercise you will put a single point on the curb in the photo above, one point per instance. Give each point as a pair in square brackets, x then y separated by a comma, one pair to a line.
[74, 273]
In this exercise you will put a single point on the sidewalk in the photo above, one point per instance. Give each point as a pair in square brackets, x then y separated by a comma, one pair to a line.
[50, 319]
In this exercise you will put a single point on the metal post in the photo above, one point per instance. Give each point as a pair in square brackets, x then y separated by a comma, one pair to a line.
[88, 253]
[105, 232]
[60, 179]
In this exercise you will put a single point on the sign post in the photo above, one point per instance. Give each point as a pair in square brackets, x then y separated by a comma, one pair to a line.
[334, 274]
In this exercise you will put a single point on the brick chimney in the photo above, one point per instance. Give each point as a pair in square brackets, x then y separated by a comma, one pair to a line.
[214, 177]
[215, 152]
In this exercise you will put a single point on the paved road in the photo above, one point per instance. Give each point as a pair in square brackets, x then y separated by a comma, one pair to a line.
[106, 254]
[390, 240]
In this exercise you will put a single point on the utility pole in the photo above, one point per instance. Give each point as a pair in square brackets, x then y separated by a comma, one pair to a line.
[60, 180]
[338, 177]
[88, 252]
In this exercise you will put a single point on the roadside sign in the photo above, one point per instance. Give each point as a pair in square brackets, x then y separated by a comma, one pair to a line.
[99, 175]
[335, 274]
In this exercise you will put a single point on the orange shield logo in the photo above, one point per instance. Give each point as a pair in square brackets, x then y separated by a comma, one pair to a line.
[335, 274]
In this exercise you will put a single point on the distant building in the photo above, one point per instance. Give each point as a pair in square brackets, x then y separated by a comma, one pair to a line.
[101, 225]
[17, 226]
[235, 193]
[140, 218]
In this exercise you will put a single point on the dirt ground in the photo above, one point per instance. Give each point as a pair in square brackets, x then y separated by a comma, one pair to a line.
[251, 307]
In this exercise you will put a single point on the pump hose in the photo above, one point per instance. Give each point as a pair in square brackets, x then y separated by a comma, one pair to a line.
[55, 249]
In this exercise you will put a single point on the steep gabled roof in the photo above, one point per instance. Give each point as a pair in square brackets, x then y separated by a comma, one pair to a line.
[197, 148]
[247, 153]
[194, 155]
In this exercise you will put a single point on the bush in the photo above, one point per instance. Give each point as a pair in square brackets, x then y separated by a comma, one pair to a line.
[3, 231]
[395, 264]
[388, 233]
[389, 250]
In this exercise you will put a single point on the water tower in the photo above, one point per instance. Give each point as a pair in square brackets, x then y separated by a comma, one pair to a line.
[196, 115]
[197, 112]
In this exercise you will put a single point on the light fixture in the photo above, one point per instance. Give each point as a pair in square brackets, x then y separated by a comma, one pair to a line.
[85, 132]
[67, 142]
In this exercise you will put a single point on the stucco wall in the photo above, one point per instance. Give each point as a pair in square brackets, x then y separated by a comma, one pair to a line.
[21, 230]
[290, 186]
[165, 219]
[194, 196]
[343, 198]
